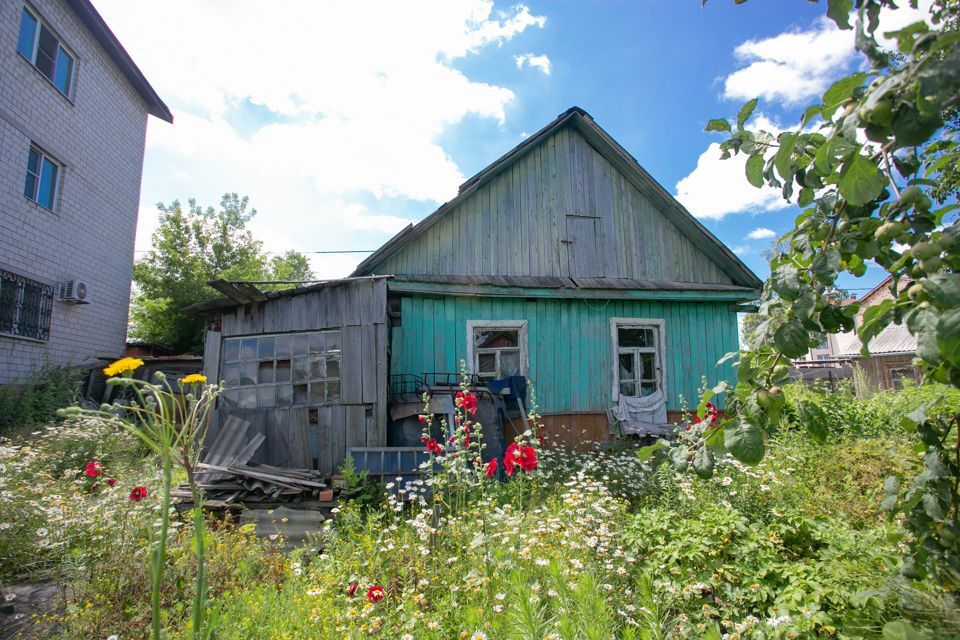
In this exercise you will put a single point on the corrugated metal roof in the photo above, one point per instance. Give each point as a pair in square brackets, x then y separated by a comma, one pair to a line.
[895, 338]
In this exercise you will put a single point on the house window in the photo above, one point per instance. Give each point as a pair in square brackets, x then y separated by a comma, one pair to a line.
[299, 369]
[497, 349]
[43, 176]
[638, 350]
[25, 306]
[40, 46]
[899, 374]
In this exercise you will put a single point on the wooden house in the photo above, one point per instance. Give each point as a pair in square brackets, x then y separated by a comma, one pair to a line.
[566, 262]
[563, 262]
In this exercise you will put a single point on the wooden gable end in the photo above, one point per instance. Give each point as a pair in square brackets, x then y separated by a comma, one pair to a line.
[560, 209]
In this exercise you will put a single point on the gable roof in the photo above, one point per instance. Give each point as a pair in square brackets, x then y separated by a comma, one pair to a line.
[96, 25]
[626, 164]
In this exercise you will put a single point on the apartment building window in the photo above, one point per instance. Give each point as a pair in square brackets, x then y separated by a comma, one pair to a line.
[38, 44]
[25, 306]
[43, 177]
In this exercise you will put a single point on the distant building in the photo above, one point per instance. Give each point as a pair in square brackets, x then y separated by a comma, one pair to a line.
[891, 351]
[73, 116]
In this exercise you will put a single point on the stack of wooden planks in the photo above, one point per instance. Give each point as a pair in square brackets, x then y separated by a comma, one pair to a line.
[226, 476]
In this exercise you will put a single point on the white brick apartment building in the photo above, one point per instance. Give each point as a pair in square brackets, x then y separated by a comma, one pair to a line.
[73, 117]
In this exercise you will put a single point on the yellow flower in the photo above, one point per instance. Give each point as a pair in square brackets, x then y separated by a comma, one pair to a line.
[123, 365]
[193, 378]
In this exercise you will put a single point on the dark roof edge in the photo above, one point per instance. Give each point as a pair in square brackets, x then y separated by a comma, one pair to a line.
[586, 125]
[223, 302]
[98, 27]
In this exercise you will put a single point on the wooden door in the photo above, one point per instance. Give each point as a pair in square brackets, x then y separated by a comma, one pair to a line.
[584, 254]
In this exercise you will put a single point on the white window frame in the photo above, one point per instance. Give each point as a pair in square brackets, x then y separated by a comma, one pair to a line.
[659, 351]
[41, 24]
[35, 197]
[520, 325]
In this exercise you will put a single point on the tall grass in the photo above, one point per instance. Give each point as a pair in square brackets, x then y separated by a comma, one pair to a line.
[35, 401]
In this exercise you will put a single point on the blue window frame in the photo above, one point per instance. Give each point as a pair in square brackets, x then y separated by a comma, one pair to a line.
[43, 175]
[43, 49]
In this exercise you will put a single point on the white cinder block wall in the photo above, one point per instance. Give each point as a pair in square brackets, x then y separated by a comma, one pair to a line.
[99, 138]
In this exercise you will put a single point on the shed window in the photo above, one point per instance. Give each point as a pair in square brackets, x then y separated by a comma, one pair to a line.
[38, 44]
[281, 370]
[498, 349]
[43, 176]
[638, 352]
[25, 306]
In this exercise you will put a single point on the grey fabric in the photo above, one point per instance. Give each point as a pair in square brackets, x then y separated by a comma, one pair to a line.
[646, 415]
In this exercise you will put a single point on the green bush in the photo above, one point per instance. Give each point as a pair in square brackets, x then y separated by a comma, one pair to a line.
[35, 401]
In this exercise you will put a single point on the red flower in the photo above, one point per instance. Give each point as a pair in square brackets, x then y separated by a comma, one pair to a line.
[375, 594]
[352, 589]
[466, 401]
[422, 419]
[491, 468]
[432, 445]
[94, 467]
[138, 494]
[510, 458]
[527, 459]
[95, 486]
[111, 481]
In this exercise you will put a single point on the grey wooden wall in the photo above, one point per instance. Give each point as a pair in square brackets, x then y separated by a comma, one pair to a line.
[296, 435]
[561, 210]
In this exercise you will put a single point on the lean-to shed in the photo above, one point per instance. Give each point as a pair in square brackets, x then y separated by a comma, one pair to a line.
[307, 367]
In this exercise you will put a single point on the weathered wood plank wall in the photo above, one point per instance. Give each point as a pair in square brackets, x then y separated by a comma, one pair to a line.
[296, 435]
[518, 225]
[569, 343]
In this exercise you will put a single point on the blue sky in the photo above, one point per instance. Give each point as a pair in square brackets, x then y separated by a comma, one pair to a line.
[354, 118]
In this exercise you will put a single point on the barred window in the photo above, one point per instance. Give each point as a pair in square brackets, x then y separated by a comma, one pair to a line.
[25, 306]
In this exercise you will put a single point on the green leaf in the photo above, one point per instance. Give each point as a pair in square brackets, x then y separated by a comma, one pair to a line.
[943, 289]
[754, 170]
[931, 506]
[826, 265]
[922, 323]
[785, 280]
[814, 420]
[948, 336]
[805, 197]
[839, 12]
[860, 180]
[645, 453]
[875, 318]
[792, 339]
[782, 161]
[703, 462]
[842, 89]
[745, 442]
[746, 111]
[901, 630]
[718, 124]
[678, 457]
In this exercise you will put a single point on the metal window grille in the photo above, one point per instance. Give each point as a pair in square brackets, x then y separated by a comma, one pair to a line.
[25, 306]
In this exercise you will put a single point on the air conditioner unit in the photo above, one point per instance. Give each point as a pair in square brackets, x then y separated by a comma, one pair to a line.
[75, 292]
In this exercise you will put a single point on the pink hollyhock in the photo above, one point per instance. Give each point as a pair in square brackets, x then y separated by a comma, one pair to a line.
[527, 459]
[422, 419]
[138, 493]
[352, 589]
[491, 468]
[375, 594]
[94, 467]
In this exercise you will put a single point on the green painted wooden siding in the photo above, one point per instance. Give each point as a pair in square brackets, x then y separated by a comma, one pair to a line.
[569, 343]
[517, 225]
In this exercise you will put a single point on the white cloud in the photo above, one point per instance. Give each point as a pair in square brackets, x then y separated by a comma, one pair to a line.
[761, 233]
[717, 187]
[541, 62]
[347, 110]
[797, 66]
[740, 249]
[793, 67]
